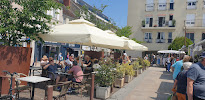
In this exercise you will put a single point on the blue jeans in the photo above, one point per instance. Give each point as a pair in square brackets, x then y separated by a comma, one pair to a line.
[168, 67]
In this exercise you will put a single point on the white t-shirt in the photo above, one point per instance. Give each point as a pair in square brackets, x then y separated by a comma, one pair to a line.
[69, 62]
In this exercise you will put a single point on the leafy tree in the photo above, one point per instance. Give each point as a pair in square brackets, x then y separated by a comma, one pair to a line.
[179, 42]
[124, 31]
[26, 21]
[137, 41]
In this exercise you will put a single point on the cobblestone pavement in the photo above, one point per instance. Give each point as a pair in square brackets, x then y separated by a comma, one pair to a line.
[153, 84]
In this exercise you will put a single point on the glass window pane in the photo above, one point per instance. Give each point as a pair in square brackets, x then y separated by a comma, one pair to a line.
[150, 35]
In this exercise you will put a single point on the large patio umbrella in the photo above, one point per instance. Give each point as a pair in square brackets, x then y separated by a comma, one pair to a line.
[171, 51]
[129, 44]
[84, 33]
[133, 45]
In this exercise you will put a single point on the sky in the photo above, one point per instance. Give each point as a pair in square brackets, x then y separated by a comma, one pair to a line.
[117, 10]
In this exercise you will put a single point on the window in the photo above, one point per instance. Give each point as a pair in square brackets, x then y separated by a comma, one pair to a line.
[171, 6]
[170, 37]
[150, 5]
[204, 3]
[148, 22]
[160, 37]
[148, 37]
[190, 19]
[203, 36]
[203, 22]
[162, 5]
[161, 21]
[190, 36]
[191, 4]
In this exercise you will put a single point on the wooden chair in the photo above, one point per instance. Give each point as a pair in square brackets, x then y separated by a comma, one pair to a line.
[64, 88]
[52, 77]
[81, 85]
[19, 88]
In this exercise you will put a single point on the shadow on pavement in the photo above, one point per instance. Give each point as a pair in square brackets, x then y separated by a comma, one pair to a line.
[166, 75]
[164, 91]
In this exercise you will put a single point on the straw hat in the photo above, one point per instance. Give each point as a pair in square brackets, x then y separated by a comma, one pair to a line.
[45, 57]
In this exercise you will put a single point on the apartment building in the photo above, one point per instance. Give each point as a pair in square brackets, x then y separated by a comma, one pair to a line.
[159, 22]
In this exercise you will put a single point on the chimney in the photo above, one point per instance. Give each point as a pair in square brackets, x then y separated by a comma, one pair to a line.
[66, 2]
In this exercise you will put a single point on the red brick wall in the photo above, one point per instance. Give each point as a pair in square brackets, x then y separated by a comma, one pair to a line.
[13, 59]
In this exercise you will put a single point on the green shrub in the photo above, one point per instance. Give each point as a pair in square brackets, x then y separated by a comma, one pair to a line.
[120, 71]
[146, 63]
[129, 69]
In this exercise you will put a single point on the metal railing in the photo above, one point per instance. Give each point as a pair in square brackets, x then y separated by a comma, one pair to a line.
[157, 23]
[169, 40]
[148, 40]
[160, 40]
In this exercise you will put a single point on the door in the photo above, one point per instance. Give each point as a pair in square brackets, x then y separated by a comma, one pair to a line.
[151, 21]
[161, 21]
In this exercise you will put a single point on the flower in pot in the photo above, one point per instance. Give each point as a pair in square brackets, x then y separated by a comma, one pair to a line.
[155, 25]
[129, 72]
[135, 67]
[146, 63]
[104, 79]
[119, 74]
[142, 65]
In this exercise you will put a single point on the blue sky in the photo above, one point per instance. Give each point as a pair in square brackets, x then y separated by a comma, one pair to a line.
[117, 10]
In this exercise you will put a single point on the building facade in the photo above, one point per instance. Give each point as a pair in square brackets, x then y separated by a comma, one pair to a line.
[159, 22]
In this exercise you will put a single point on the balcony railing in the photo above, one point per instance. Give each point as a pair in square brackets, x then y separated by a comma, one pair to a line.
[160, 40]
[195, 23]
[158, 23]
[150, 7]
[148, 40]
[169, 40]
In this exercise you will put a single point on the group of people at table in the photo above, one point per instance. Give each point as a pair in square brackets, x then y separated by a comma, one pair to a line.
[69, 66]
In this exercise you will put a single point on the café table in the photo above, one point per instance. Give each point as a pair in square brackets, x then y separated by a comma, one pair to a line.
[33, 80]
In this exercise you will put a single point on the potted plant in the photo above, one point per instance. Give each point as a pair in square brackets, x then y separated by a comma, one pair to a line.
[104, 80]
[141, 67]
[155, 25]
[143, 23]
[146, 63]
[129, 72]
[119, 76]
[173, 23]
[135, 67]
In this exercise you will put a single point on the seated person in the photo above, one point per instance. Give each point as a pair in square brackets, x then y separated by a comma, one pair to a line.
[77, 71]
[52, 67]
[96, 65]
[44, 61]
[88, 64]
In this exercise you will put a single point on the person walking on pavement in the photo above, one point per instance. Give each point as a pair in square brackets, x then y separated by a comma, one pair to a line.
[168, 63]
[181, 82]
[196, 80]
[176, 68]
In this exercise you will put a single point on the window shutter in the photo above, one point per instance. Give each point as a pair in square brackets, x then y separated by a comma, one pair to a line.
[162, 1]
[149, 1]
[191, 0]
[190, 17]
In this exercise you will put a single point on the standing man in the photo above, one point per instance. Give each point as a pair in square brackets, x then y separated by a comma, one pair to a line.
[196, 80]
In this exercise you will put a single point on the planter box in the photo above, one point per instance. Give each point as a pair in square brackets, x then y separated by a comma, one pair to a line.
[140, 71]
[102, 92]
[119, 82]
[136, 73]
[128, 78]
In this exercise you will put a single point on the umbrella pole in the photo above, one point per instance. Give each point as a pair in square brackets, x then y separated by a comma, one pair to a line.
[80, 55]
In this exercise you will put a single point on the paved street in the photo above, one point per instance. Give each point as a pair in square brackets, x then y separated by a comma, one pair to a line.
[153, 84]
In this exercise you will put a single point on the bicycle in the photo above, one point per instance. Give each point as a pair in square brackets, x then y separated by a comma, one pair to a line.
[10, 95]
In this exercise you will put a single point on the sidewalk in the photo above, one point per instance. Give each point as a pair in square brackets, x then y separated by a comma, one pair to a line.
[153, 84]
